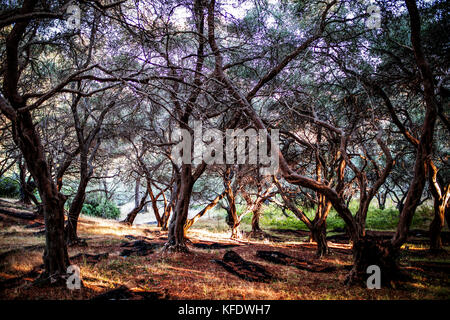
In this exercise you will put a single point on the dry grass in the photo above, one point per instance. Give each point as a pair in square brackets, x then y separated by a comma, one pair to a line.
[193, 275]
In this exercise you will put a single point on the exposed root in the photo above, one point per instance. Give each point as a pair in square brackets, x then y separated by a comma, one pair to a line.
[77, 242]
[54, 280]
[372, 251]
[173, 248]
[247, 270]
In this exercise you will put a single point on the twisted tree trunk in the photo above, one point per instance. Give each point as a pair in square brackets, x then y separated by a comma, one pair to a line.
[55, 257]
[385, 254]
[166, 214]
[74, 213]
[133, 213]
[168, 207]
[211, 205]
[232, 220]
[441, 197]
[176, 238]
[319, 236]
[24, 195]
[255, 221]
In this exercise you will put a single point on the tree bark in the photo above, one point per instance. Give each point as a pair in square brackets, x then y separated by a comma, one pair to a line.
[211, 205]
[154, 201]
[319, 235]
[436, 227]
[447, 214]
[74, 213]
[255, 207]
[166, 214]
[319, 227]
[168, 208]
[55, 257]
[27, 186]
[137, 189]
[255, 222]
[232, 218]
[369, 251]
[424, 148]
[385, 254]
[441, 197]
[24, 194]
[165, 218]
[381, 198]
[133, 213]
[176, 238]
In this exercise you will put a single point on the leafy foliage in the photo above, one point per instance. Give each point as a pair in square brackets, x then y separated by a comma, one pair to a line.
[100, 207]
[9, 188]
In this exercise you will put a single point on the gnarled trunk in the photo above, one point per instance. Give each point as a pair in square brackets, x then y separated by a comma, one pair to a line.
[27, 186]
[384, 254]
[56, 259]
[319, 235]
[74, 213]
[232, 218]
[381, 198]
[166, 214]
[133, 213]
[176, 237]
[165, 218]
[168, 208]
[256, 229]
[441, 196]
[447, 214]
[368, 251]
[27, 138]
[233, 222]
[211, 205]
[24, 196]
[154, 201]
[255, 222]
[437, 224]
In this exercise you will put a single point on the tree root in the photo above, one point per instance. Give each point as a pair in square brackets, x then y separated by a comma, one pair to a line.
[373, 251]
[173, 248]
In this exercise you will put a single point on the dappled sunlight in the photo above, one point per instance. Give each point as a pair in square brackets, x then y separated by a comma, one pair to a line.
[98, 226]
[22, 263]
[94, 279]
[196, 275]
[224, 149]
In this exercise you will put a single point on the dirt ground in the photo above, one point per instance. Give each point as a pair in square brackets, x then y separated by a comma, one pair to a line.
[130, 260]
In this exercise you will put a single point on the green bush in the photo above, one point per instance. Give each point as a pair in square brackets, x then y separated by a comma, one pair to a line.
[9, 188]
[100, 207]
[386, 219]
[377, 219]
[423, 217]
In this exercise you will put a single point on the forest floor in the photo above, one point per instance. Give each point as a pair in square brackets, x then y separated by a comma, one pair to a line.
[136, 266]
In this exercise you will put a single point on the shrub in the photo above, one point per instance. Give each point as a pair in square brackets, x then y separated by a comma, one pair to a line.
[9, 188]
[423, 217]
[100, 207]
[386, 219]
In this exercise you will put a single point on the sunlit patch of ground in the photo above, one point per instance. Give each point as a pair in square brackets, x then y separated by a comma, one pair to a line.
[196, 275]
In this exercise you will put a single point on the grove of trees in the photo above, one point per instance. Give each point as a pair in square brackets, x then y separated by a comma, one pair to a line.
[362, 113]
